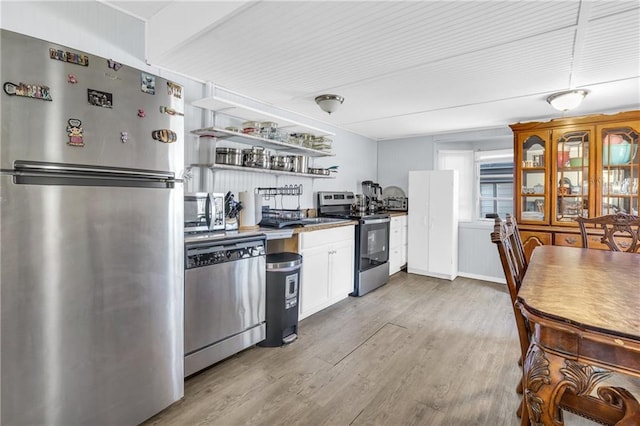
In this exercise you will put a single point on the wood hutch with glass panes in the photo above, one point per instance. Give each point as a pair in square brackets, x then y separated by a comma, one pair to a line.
[570, 167]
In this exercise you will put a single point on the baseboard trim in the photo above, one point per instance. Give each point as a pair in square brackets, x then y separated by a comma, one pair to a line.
[483, 277]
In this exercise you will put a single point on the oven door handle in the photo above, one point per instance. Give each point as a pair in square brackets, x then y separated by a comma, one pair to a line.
[374, 221]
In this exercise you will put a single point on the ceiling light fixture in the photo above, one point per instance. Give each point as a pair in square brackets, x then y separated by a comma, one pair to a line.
[565, 101]
[329, 103]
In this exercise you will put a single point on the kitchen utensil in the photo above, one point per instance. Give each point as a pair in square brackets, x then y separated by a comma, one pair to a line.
[300, 163]
[563, 157]
[269, 129]
[575, 162]
[617, 154]
[281, 162]
[393, 192]
[251, 127]
[318, 171]
[256, 157]
[230, 156]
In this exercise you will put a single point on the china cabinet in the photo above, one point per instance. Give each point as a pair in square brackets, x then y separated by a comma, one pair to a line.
[574, 167]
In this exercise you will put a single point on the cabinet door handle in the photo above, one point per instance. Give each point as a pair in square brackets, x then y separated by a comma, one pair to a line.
[571, 240]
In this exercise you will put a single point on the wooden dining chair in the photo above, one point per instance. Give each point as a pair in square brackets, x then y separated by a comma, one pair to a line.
[621, 231]
[516, 241]
[514, 266]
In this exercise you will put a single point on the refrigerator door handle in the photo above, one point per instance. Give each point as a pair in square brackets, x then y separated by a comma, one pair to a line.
[74, 169]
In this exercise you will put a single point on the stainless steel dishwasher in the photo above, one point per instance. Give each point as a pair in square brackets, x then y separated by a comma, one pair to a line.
[225, 283]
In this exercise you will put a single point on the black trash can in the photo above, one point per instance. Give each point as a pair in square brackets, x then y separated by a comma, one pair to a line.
[283, 281]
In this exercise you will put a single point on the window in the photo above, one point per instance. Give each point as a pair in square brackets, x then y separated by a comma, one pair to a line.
[495, 182]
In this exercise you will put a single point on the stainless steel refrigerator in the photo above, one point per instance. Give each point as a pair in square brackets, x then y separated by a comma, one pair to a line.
[92, 241]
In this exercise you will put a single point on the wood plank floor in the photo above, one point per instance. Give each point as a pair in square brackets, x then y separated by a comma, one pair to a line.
[416, 351]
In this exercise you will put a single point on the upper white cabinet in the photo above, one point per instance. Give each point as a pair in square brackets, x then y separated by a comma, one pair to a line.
[433, 224]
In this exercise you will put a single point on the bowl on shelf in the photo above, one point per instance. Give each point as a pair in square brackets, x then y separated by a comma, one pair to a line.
[575, 162]
[616, 154]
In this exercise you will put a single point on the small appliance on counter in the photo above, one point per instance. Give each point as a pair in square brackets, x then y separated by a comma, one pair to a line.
[203, 212]
[394, 199]
[372, 195]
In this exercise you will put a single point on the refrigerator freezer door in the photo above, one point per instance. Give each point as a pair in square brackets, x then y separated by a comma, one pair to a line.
[121, 135]
[92, 303]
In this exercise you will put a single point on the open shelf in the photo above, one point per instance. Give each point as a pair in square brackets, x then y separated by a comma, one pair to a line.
[259, 141]
[244, 112]
[259, 170]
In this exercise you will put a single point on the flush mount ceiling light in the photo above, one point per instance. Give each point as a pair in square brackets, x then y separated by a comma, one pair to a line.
[565, 101]
[329, 103]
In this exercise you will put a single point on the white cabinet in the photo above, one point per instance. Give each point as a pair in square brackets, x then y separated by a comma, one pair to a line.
[327, 268]
[433, 223]
[397, 243]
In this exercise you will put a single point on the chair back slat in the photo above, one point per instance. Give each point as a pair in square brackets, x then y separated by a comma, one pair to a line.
[514, 266]
[516, 241]
[621, 231]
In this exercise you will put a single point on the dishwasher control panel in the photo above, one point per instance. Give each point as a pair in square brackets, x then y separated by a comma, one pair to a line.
[216, 252]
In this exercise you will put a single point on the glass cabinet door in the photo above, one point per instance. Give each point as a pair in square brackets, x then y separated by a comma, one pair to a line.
[619, 162]
[572, 174]
[532, 182]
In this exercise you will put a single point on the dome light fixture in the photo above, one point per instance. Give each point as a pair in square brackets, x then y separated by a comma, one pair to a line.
[329, 103]
[568, 100]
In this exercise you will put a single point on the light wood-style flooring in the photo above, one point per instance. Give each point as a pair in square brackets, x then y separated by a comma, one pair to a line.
[418, 350]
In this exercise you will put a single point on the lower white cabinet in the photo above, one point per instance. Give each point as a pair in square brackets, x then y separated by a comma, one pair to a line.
[327, 268]
[397, 243]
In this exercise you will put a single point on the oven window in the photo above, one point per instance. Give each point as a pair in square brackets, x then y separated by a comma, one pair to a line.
[374, 245]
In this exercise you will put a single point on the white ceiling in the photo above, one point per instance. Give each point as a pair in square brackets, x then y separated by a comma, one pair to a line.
[405, 68]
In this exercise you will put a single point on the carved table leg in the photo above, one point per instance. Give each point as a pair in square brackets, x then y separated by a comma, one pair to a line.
[548, 376]
[542, 376]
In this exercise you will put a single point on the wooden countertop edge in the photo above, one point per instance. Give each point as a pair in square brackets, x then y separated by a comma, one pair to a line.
[396, 213]
[321, 226]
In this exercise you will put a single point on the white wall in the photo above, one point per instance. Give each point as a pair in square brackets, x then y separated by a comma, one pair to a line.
[95, 28]
[477, 256]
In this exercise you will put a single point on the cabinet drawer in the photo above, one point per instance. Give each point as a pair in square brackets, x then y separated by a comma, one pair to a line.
[395, 237]
[568, 240]
[326, 236]
[533, 239]
[595, 242]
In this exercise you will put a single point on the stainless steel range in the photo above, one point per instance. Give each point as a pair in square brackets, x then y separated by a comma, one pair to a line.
[371, 238]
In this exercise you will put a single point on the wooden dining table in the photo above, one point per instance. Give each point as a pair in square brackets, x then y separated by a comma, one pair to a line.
[583, 311]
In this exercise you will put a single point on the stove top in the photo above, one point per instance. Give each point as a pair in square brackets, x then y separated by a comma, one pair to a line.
[339, 204]
[356, 215]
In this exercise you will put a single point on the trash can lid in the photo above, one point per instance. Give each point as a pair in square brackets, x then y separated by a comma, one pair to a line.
[283, 261]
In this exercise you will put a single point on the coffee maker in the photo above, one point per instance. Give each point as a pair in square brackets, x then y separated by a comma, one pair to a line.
[372, 194]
